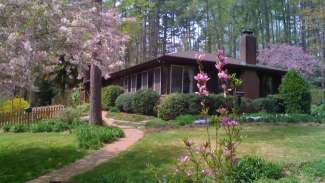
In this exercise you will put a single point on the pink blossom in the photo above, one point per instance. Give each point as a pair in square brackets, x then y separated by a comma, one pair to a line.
[226, 152]
[228, 122]
[184, 159]
[223, 75]
[223, 111]
[202, 78]
[207, 172]
[189, 173]
[201, 149]
[188, 143]
[199, 57]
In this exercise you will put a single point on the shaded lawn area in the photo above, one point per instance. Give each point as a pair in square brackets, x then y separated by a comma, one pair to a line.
[24, 156]
[128, 117]
[283, 144]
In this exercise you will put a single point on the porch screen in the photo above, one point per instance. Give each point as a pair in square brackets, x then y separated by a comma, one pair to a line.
[144, 80]
[181, 79]
[157, 85]
[176, 79]
[150, 79]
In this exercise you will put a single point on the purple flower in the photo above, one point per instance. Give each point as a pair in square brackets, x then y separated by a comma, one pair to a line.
[184, 159]
[226, 152]
[202, 78]
[188, 143]
[207, 172]
[228, 122]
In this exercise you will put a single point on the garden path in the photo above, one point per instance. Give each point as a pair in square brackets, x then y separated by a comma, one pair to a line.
[89, 162]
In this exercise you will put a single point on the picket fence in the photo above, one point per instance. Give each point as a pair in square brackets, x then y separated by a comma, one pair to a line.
[36, 113]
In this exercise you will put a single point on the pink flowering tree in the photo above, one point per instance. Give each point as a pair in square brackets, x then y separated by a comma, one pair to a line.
[289, 57]
[213, 160]
[24, 44]
[38, 34]
[94, 41]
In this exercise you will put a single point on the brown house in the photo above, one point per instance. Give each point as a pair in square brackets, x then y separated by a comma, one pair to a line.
[175, 72]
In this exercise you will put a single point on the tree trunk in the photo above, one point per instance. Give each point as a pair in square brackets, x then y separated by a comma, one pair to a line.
[95, 116]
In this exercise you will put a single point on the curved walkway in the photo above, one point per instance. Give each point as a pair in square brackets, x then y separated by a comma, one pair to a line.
[89, 162]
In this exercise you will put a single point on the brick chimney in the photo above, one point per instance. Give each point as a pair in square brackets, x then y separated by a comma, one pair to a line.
[248, 47]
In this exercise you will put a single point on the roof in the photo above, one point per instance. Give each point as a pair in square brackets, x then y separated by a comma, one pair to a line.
[189, 56]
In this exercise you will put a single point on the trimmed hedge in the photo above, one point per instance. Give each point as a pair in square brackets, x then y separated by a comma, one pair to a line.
[110, 94]
[172, 106]
[295, 93]
[144, 102]
[269, 104]
[124, 102]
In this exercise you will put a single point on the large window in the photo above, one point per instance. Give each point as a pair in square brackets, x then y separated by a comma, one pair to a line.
[139, 81]
[181, 79]
[134, 83]
[176, 78]
[157, 80]
[150, 79]
[144, 80]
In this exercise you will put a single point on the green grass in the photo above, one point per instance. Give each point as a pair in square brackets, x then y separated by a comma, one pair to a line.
[128, 117]
[284, 144]
[25, 156]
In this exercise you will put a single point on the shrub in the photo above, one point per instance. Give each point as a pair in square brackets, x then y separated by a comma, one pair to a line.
[93, 137]
[295, 92]
[319, 110]
[20, 128]
[124, 102]
[69, 115]
[83, 108]
[49, 126]
[157, 123]
[194, 106]
[185, 119]
[250, 169]
[172, 106]
[114, 109]
[144, 101]
[6, 128]
[75, 97]
[270, 104]
[15, 104]
[110, 94]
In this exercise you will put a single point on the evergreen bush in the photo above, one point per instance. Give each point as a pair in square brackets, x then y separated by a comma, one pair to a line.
[110, 94]
[295, 93]
[124, 102]
[172, 106]
[144, 102]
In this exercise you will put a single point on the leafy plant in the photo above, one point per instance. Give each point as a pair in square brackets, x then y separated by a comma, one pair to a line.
[295, 93]
[110, 94]
[93, 137]
[144, 101]
[172, 106]
[14, 104]
[69, 115]
[250, 169]
[185, 119]
[20, 128]
[268, 104]
[124, 102]
[75, 97]
[274, 118]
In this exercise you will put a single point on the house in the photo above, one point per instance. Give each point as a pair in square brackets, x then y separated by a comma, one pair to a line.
[175, 72]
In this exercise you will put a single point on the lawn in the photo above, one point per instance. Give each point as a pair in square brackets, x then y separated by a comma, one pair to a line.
[24, 156]
[284, 144]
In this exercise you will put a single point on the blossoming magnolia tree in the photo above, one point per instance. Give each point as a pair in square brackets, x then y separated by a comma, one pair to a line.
[213, 160]
[23, 43]
[94, 40]
[289, 57]
[38, 34]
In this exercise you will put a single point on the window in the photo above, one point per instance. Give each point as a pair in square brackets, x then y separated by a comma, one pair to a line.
[134, 82]
[188, 75]
[144, 80]
[176, 78]
[125, 83]
[157, 80]
[129, 84]
[139, 82]
[150, 79]
[181, 79]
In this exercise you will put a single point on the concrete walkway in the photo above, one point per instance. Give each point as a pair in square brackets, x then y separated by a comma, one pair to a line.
[89, 162]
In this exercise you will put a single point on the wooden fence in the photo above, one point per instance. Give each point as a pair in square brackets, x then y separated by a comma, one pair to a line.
[23, 117]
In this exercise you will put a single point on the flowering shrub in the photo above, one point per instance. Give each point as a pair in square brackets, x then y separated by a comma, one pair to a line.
[214, 160]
